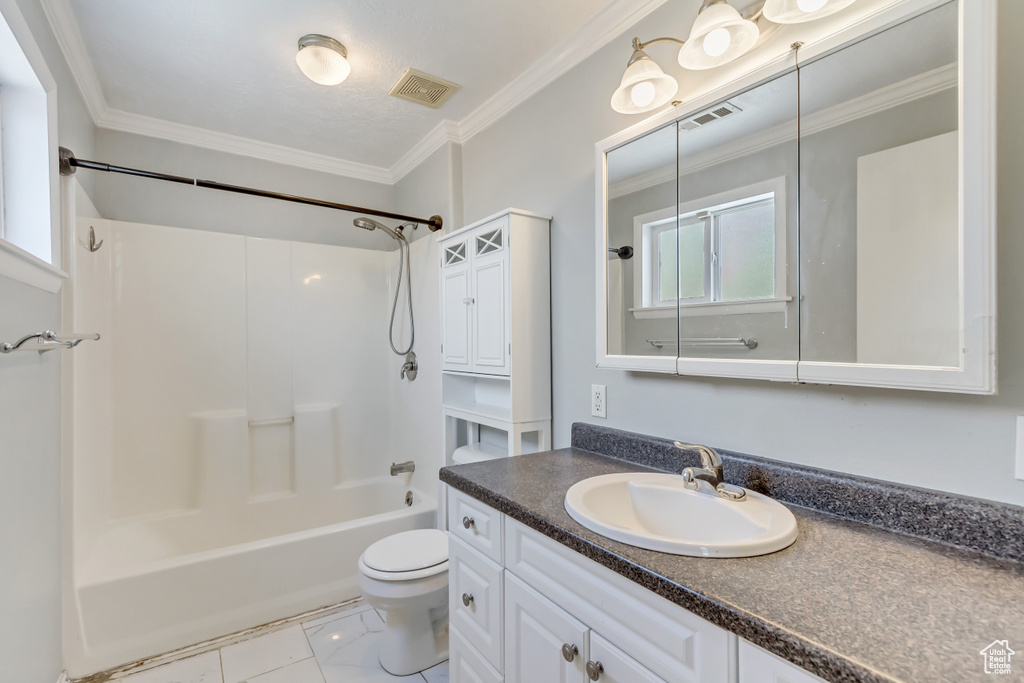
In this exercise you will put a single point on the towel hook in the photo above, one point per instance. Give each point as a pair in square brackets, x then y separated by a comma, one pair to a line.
[93, 244]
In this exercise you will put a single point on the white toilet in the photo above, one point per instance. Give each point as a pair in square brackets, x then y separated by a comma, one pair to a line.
[406, 576]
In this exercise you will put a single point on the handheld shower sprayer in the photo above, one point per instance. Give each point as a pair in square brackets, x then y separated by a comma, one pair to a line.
[404, 266]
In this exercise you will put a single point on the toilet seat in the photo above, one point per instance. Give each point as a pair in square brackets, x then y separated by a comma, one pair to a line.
[407, 556]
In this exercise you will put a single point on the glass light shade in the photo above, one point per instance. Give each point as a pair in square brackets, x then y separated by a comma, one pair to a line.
[799, 11]
[322, 60]
[644, 86]
[707, 46]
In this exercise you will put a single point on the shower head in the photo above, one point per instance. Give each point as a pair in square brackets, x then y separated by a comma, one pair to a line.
[370, 224]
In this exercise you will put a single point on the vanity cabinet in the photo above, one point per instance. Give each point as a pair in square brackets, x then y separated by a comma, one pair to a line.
[526, 609]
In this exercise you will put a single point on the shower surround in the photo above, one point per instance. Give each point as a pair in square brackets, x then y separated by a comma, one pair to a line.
[232, 432]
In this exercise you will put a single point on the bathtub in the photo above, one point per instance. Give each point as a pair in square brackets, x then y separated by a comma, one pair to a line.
[159, 584]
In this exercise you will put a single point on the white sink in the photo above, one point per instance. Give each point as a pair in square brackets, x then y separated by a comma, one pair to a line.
[657, 512]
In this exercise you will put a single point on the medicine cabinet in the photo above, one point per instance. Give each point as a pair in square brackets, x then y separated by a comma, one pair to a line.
[827, 217]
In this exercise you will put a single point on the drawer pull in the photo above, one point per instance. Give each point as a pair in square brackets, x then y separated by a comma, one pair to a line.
[594, 670]
[569, 652]
[468, 522]
[467, 598]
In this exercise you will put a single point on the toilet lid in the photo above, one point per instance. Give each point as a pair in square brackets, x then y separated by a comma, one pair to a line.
[408, 551]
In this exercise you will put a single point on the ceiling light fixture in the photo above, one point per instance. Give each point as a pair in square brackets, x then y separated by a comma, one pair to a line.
[322, 59]
[799, 11]
[644, 86]
[719, 35]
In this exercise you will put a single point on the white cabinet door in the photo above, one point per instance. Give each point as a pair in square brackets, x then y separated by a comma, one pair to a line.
[612, 665]
[761, 666]
[455, 313]
[489, 266]
[536, 633]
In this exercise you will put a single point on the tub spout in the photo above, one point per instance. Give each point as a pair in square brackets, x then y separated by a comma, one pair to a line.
[408, 466]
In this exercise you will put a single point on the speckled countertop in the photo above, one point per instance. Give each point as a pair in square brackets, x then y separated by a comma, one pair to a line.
[847, 601]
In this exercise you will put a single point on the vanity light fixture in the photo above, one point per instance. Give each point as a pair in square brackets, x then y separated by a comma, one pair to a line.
[322, 59]
[644, 86]
[799, 11]
[718, 36]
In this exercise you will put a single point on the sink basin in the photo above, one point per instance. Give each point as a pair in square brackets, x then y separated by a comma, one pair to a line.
[657, 512]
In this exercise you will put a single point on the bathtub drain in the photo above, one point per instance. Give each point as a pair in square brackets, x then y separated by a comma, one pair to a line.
[408, 498]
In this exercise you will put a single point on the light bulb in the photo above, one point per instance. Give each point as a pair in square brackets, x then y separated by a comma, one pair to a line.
[642, 93]
[717, 42]
[810, 5]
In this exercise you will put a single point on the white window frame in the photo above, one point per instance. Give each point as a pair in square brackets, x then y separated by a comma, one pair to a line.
[646, 228]
[30, 246]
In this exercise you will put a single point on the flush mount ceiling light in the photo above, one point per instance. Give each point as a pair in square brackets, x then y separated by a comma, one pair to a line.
[799, 11]
[322, 59]
[644, 86]
[719, 35]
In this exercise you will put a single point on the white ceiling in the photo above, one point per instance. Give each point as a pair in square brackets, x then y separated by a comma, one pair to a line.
[229, 66]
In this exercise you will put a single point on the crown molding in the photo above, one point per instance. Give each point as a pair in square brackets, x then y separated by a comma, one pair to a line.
[600, 30]
[137, 124]
[578, 46]
[913, 88]
[443, 133]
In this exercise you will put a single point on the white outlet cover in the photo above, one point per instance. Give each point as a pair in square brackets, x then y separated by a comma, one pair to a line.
[599, 400]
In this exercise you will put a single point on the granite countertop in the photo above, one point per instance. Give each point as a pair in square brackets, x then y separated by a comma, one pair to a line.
[847, 601]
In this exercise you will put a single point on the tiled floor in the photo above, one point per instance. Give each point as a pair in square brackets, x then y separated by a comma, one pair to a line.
[337, 648]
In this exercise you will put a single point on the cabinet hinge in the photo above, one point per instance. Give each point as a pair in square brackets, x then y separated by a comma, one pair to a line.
[510, 349]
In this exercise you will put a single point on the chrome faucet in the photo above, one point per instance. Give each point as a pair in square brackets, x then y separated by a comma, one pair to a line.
[408, 466]
[710, 474]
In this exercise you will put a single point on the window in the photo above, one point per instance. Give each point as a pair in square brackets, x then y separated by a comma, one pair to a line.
[30, 225]
[730, 249]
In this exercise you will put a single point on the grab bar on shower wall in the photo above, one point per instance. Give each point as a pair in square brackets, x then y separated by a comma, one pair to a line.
[705, 341]
[47, 341]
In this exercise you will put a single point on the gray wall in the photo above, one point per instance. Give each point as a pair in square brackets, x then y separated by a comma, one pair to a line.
[140, 200]
[30, 456]
[541, 157]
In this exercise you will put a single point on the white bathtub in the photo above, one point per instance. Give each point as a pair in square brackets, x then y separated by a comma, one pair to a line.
[159, 584]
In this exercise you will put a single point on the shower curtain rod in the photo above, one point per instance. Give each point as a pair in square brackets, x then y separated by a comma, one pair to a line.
[68, 164]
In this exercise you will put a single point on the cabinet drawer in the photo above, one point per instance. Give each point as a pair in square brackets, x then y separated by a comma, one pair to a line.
[465, 663]
[615, 665]
[761, 666]
[475, 524]
[673, 643]
[475, 597]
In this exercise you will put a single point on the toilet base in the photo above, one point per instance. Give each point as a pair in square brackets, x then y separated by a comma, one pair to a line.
[415, 635]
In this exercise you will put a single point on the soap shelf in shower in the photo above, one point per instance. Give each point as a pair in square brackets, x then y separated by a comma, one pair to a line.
[47, 341]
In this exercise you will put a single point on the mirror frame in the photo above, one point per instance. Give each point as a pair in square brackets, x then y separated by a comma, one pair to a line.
[977, 104]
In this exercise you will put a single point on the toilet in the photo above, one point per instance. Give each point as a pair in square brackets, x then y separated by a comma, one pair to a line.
[406, 576]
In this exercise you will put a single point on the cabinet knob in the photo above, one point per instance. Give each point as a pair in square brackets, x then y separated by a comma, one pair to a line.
[594, 670]
[468, 522]
[569, 652]
[467, 598]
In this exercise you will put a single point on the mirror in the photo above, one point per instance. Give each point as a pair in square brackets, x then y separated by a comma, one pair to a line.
[641, 183]
[879, 209]
[738, 232]
[832, 223]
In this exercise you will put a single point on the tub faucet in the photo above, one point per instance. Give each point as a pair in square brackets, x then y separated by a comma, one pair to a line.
[408, 466]
[710, 473]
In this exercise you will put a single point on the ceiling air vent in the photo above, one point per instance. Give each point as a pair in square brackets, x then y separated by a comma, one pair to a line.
[422, 88]
[701, 119]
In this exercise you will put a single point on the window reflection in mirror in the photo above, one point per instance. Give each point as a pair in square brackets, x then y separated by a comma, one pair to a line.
[642, 187]
[879, 220]
[738, 230]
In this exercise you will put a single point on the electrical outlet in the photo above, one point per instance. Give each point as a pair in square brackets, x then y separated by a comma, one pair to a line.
[1019, 469]
[599, 400]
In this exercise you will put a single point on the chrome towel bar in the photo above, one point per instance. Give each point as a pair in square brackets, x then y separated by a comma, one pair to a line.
[705, 341]
[47, 341]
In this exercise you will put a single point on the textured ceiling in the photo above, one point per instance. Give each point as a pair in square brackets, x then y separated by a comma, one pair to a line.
[229, 65]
